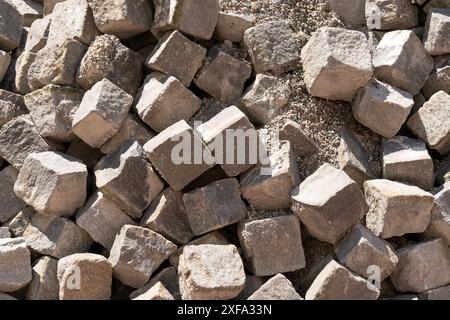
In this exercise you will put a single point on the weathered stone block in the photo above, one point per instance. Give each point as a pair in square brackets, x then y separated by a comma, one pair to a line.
[5, 60]
[276, 288]
[44, 284]
[37, 35]
[352, 12]
[15, 264]
[22, 67]
[10, 26]
[225, 280]
[440, 215]
[272, 245]
[29, 10]
[329, 203]
[302, 145]
[437, 28]
[231, 26]
[439, 79]
[157, 292]
[391, 14]
[168, 277]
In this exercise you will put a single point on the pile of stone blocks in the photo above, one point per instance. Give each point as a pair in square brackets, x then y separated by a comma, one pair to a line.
[111, 186]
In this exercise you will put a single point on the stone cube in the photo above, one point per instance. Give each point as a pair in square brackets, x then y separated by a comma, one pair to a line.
[72, 19]
[437, 29]
[102, 112]
[84, 276]
[108, 58]
[171, 54]
[353, 159]
[163, 101]
[401, 60]
[396, 209]
[263, 100]
[440, 215]
[44, 284]
[441, 293]
[422, 266]
[22, 67]
[10, 204]
[137, 252]
[329, 203]
[168, 277]
[272, 245]
[407, 160]
[276, 288]
[223, 76]
[301, 143]
[19, 138]
[123, 19]
[360, 249]
[37, 35]
[30, 10]
[52, 109]
[166, 216]
[439, 79]
[337, 63]
[391, 14]
[432, 122]
[175, 154]
[131, 128]
[52, 183]
[273, 47]
[15, 264]
[220, 134]
[336, 282]
[195, 18]
[215, 237]
[214, 206]
[102, 219]
[10, 26]
[54, 236]
[56, 65]
[268, 187]
[157, 292]
[382, 108]
[351, 12]
[5, 60]
[127, 178]
[231, 26]
[226, 276]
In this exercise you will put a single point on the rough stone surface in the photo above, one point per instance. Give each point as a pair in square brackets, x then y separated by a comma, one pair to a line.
[44, 284]
[214, 206]
[37, 35]
[128, 179]
[382, 108]
[225, 280]
[10, 27]
[336, 63]
[163, 101]
[54, 236]
[329, 203]
[352, 12]
[168, 277]
[353, 159]
[10, 204]
[440, 215]
[360, 249]
[183, 169]
[22, 67]
[19, 223]
[272, 245]
[401, 60]
[396, 209]
[52, 183]
[4, 233]
[432, 122]
[166, 216]
[171, 54]
[276, 288]
[407, 160]
[30, 10]
[157, 292]
[72, 19]
[233, 158]
[330, 281]
[231, 26]
[195, 18]
[52, 109]
[102, 219]
[123, 19]
[391, 15]
[5, 60]
[102, 112]
[422, 266]
[137, 252]
[15, 265]
[273, 47]
[437, 29]
[439, 79]
[94, 280]
[268, 187]
[223, 76]
[302, 145]
[108, 58]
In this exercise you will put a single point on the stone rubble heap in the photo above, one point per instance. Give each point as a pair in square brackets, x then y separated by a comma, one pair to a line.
[96, 95]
